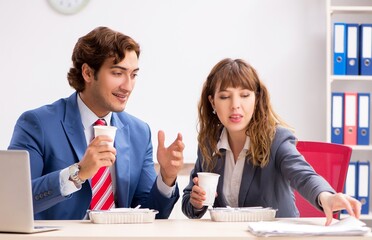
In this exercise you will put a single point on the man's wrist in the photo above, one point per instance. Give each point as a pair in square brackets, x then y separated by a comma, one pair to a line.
[169, 181]
[74, 174]
[164, 189]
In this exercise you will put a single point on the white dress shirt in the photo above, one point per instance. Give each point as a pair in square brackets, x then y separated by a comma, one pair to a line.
[88, 118]
[233, 170]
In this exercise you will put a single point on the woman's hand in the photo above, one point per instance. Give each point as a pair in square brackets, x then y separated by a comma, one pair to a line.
[335, 202]
[197, 195]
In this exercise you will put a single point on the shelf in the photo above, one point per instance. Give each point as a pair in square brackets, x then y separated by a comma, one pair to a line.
[347, 11]
[350, 78]
[350, 9]
[360, 147]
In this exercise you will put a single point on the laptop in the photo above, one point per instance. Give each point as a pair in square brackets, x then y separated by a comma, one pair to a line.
[16, 210]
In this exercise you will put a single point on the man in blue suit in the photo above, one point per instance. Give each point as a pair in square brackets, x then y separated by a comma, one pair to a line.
[65, 155]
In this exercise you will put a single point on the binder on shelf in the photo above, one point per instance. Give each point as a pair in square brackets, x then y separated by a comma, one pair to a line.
[363, 186]
[337, 117]
[363, 118]
[351, 181]
[366, 49]
[350, 118]
[339, 49]
[352, 49]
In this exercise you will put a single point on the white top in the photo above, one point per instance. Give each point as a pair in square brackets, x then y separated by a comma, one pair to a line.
[233, 171]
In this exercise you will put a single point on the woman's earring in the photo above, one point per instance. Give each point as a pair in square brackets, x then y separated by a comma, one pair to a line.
[214, 111]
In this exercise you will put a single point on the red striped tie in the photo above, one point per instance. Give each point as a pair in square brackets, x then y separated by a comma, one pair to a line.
[103, 196]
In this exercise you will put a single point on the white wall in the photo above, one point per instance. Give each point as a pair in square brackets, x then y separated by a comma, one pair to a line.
[181, 40]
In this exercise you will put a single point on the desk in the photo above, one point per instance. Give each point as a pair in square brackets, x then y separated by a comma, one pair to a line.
[161, 229]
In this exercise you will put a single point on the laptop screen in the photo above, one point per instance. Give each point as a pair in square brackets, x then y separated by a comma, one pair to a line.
[16, 211]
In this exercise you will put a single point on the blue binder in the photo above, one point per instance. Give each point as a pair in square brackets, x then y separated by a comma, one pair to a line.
[363, 118]
[351, 181]
[366, 49]
[363, 186]
[337, 117]
[339, 49]
[352, 50]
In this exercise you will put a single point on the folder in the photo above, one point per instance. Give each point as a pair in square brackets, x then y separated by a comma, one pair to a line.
[350, 118]
[363, 118]
[366, 49]
[339, 49]
[337, 117]
[363, 186]
[351, 181]
[352, 49]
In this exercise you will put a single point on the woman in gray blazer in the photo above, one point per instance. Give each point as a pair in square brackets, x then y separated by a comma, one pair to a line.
[254, 151]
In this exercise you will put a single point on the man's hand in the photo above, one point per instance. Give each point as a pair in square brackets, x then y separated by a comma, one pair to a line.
[96, 156]
[170, 159]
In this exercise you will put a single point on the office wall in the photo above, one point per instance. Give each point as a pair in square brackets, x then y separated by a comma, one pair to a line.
[181, 40]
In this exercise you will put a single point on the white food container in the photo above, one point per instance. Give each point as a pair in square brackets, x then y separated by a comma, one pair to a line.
[246, 214]
[122, 215]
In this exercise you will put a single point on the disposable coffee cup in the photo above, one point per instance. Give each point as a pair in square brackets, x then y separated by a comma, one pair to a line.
[105, 130]
[208, 182]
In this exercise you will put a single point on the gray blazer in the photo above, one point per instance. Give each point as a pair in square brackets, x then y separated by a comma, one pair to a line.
[270, 186]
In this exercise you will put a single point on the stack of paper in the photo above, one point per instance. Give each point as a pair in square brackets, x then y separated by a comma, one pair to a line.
[349, 226]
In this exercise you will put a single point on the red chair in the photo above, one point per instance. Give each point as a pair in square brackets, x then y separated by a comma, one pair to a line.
[329, 160]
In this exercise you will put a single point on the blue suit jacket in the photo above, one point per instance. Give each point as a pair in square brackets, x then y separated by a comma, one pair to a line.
[270, 186]
[54, 137]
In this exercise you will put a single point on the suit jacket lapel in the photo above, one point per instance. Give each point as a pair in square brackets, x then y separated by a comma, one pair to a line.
[74, 127]
[122, 163]
[220, 167]
[248, 174]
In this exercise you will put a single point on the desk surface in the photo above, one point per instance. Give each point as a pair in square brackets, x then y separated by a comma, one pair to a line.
[159, 229]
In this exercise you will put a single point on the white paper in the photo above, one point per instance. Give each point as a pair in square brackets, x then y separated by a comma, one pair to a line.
[349, 226]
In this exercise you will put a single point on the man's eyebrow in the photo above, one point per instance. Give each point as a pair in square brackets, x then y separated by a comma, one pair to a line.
[124, 69]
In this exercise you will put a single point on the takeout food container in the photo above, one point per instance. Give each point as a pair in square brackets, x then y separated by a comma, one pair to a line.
[123, 215]
[246, 214]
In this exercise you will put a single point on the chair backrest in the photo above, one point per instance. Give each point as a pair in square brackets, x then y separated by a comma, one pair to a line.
[329, 160]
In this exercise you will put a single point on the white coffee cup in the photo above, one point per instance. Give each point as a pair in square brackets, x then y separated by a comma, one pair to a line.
[105, 130]
[208, 182]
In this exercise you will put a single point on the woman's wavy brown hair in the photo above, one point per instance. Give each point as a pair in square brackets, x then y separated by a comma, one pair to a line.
[261, 129]
[94, 48]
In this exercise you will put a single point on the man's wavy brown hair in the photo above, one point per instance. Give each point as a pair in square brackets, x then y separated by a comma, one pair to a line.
[94, 48]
